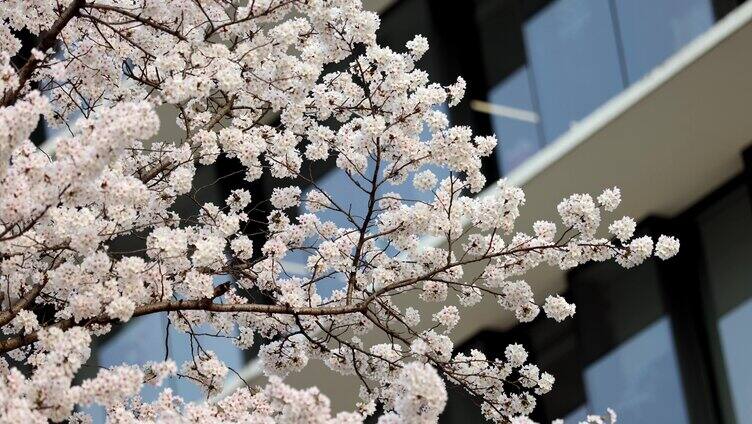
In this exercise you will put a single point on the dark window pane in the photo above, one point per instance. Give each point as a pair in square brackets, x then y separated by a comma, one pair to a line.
[514, 119]
[726, 231]
[573, 56]
[628, 345]
[733, 328]
[653, 30]
[639, 379]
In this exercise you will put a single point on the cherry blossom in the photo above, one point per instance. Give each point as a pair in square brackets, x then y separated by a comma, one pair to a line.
[278, 87]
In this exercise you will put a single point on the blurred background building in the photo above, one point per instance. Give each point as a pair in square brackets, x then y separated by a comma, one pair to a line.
[652, 96]
[649, 95]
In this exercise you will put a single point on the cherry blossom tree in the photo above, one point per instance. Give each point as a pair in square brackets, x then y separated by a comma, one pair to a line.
[277, 86]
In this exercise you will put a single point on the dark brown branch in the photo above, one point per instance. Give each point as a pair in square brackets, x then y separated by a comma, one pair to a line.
[187, 305]
[146, 21]
[22, 303]
[47, 41]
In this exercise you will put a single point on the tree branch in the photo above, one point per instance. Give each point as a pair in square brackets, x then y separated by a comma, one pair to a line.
[46, 41]
[22, 303]
[187, 305]
[146, 21]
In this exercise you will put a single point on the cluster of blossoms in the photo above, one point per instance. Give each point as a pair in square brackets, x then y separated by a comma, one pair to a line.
[252, 82]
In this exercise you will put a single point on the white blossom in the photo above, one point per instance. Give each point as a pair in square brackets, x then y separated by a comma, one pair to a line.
[516, 354]
[557, 308]
[418, 46]
[545, 230]
[99, 232]
[243, 247]
[425, 180]
[121, 308]
[623, 228]
[283, 198]
[610, 199]
[448, 316]
[666, 247]
[423, 394]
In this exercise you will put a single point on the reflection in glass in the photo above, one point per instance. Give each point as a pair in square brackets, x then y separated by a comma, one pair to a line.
[517, 133]
[573, 57]
[639, 379]
[653, 30]
[737, 350]
[726, 231]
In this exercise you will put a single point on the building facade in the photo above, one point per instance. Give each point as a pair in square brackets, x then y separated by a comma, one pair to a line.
[664, 342]
[649, 95]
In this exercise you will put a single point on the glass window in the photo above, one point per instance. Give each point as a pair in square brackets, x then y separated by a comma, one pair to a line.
[726, 231]
[639, 379]
[653, 30]
[573, 56]
[628, 348]
[514, 119]
[733, 328]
